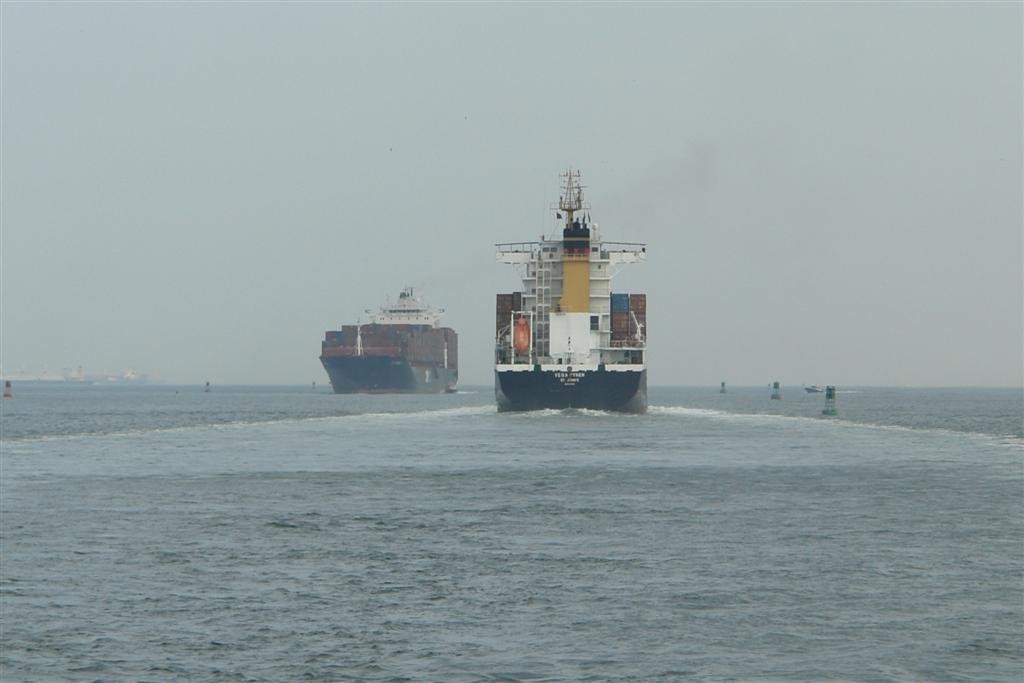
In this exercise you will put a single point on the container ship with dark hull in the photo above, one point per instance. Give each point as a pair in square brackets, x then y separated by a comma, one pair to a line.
[566, 340]
[400, 351]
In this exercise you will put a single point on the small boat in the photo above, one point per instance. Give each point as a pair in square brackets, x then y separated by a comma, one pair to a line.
[813, 389]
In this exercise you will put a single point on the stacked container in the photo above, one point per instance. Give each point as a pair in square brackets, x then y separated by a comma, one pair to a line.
[620, 317]
[626, 308]
[451, 339]
[506, 303]
[502, 311]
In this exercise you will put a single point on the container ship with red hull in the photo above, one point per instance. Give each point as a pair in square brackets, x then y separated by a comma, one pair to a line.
[566, 340]
[400, 351]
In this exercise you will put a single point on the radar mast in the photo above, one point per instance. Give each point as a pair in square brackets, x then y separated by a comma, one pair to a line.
[571, 199]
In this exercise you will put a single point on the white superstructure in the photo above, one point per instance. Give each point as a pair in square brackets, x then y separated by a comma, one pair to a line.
[408, 310]
[581, 336]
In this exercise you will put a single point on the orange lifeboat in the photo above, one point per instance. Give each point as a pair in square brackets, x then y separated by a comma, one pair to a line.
[521, 335]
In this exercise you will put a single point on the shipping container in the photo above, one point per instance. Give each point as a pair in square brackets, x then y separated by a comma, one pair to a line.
[506, 304]
[453, 349]
[381, 351]
[620, 322]
[339, 351]
[638, 303]
[620, 303]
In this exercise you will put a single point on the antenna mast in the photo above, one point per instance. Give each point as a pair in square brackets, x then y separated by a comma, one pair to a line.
[571, 199]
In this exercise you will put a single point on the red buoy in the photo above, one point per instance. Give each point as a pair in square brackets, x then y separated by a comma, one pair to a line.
[7, 390]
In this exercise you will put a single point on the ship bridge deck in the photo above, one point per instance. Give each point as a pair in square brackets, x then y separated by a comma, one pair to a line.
[611, 252]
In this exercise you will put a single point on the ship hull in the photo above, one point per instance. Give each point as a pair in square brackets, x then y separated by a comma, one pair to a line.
[599, 389]
[386, 375]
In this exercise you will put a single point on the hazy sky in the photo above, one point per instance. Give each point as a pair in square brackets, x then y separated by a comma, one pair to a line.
[831, 193]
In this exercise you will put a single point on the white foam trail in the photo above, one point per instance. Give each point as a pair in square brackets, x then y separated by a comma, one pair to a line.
[444, 412]
[683, 410]
[768, 418]
[546, 412]
[595, 413]
[727, 416]
[566, 412]
[243, 424]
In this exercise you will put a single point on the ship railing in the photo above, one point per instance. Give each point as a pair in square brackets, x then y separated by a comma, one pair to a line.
[624, 246]
[626, 344]
[517, 252]
[623, 252]
[503, 345]
[517, 246]
[505, 354]
[504, 342]
[622, 361]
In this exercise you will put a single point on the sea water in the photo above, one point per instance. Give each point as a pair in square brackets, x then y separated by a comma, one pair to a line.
[270, 534]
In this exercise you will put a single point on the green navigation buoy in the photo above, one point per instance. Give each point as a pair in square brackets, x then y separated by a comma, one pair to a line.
[830, 401]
